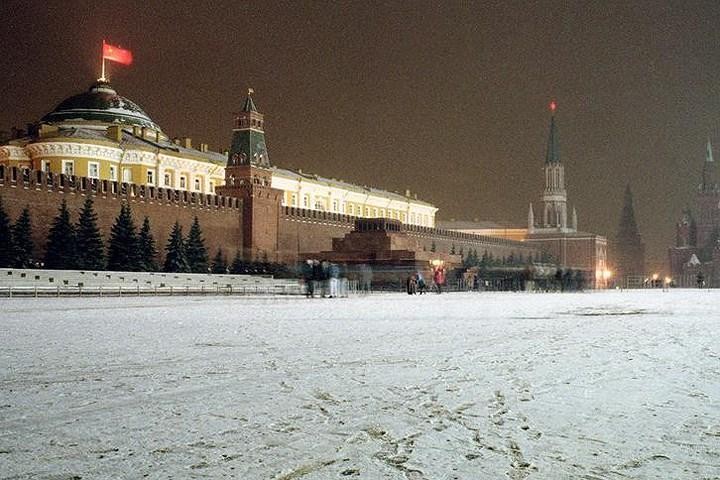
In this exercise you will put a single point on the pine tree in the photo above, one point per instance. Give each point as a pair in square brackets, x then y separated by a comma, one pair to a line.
[61, 251]
[22, 240]
[219, 264]
[238, 265]
[146, 248]
[7, 250]
[90, 247]
[123, 246]
[176, 258]
[197, 256]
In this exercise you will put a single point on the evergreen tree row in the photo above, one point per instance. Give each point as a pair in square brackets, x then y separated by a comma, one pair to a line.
[16, 245]
[80, 245]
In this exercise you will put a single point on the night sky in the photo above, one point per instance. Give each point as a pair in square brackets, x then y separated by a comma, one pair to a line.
[447, 99]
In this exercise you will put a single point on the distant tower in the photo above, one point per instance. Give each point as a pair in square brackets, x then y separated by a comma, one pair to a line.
[709, 180]
[629, 248]
[708, 207]
[554, 197]
[248, 176]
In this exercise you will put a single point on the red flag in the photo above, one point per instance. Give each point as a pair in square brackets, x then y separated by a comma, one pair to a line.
[117, 54]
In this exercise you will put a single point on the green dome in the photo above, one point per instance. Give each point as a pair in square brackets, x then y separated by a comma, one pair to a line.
[101, 104]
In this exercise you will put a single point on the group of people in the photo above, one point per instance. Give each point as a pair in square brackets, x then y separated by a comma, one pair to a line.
[322, 278]
[416, 284]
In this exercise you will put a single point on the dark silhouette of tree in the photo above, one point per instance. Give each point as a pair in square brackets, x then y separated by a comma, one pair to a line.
[23, 245]
[7, 251]
[175, 257]
[61, 251]
[90, 247]
[197, 256]
[123, 246]
[433, 247]
[219, 263]
[146, 248]
[238, 265]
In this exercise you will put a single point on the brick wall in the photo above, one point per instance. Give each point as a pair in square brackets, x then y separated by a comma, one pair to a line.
[220, 217]
[309, 231]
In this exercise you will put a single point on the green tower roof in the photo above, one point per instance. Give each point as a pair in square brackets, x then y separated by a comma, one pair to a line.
[249, 104]
[553, 147]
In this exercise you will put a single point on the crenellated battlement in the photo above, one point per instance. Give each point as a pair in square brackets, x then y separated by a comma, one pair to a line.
[39, 180]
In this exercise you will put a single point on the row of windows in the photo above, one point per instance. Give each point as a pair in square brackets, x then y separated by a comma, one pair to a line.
[358, 210]
[68, 168]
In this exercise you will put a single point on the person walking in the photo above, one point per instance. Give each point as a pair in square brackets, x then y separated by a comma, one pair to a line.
[334, 271]
[307, 273]
[411, 284]
[420, 283]
[439, 279]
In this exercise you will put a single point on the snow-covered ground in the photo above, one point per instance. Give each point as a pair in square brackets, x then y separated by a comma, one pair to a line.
[605, 385]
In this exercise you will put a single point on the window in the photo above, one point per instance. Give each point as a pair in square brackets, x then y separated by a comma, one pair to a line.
[113, 173]
[167, 180]
[367, 211]
[127, 175]
[382, 212]
[197, 184]
[293, 200]
[182, 182]
[150, 177]
[68, 167]
[374, 212]
[335, 205]
[412, 217]
[212, 186]
[306, 201]
[93, 170]
[351, 210]
[45, 165]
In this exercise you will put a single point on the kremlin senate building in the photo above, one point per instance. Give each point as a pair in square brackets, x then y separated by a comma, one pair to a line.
[101, 144]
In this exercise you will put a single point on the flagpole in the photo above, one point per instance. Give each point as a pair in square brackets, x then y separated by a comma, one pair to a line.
[102, 75]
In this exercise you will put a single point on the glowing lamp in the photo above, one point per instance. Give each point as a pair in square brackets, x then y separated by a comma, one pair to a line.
[655, 276]
[553, 106]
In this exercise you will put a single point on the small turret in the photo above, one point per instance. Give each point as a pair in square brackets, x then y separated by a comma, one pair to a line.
[531, 219]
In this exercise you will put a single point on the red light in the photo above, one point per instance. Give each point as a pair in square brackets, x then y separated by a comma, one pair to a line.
[553, 106]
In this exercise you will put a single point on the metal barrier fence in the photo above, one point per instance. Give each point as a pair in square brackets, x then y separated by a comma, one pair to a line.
[139, 291]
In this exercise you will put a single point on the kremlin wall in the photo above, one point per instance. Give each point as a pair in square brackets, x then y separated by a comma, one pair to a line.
[101, 144]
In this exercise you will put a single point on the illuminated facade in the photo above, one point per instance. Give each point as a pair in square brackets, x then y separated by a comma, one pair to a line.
[101, 135]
